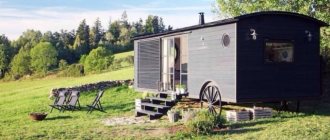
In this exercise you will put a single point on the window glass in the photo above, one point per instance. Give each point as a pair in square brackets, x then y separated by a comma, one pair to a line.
[225, 40]
[184, 80]
[184, 64]
[278, 52]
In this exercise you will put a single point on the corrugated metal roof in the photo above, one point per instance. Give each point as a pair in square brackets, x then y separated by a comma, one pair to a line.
[232, 20]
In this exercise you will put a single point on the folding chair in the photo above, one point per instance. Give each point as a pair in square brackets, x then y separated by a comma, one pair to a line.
[96, 103]
[73, 102]
[59, 101]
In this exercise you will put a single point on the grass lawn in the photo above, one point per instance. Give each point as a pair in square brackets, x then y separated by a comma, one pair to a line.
[124, 54]
[283, 126]
[19, 98]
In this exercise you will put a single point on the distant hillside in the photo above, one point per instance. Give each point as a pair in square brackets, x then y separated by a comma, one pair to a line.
[124, 54]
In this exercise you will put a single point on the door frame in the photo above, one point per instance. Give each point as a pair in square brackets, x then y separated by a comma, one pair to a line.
[173, 72]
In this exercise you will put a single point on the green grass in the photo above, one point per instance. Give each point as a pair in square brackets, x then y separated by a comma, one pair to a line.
[19, 98]
[124, 54]
[283, 126]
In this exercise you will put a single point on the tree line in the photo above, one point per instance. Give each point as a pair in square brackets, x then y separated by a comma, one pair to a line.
[86, 48]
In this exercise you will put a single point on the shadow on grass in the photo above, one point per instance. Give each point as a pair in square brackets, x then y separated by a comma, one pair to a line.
[307, 108]
[121, 107]
[253, 123]
[239, 131]
[106, 108]
[58, 117]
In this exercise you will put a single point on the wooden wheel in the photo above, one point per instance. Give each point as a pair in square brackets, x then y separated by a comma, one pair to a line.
[211, 98]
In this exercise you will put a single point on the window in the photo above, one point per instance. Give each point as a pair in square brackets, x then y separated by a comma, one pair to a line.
[225, 40]
[278, 52]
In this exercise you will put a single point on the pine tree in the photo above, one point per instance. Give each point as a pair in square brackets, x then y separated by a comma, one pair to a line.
[82, 44]
[96, 34]
[149, 25]
[115, 31]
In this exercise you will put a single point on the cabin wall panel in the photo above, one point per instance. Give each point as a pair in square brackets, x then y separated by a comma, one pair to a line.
[209, 60]
[258, 80]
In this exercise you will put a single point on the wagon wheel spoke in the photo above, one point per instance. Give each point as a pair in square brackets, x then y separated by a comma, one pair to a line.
[208, 94]
[217, 108]
[204, 97]
[215, 98]
[205, 94]
[213, 111]
[212, 93]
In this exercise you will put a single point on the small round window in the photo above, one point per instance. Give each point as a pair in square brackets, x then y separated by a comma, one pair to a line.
[225, 40]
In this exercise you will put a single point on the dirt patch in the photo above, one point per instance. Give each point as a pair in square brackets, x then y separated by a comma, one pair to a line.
[127, 121]
[176, 128]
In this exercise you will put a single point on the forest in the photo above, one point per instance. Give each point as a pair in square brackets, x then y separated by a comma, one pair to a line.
[75, 52]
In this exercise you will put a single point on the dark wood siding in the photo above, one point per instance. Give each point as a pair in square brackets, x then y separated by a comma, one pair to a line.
[148, 63]
[260, 81]
[209, 60]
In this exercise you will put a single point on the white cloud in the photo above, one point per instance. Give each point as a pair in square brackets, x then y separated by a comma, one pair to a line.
[14, 21]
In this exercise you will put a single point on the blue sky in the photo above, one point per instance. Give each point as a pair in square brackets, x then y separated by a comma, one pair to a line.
[17, 16]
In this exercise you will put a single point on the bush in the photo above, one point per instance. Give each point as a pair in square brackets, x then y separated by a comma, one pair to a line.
[98, 59]
[129, 59]
[62, 65]
[116, 64]
[204, 122]
[20, 65]
[43, 57]
[74, 70]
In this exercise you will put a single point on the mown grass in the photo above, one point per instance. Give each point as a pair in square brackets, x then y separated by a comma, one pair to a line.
[124, 54]
[310, 124]
[19, 98]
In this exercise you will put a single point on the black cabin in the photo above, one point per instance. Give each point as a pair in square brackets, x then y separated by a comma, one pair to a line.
[263, 56]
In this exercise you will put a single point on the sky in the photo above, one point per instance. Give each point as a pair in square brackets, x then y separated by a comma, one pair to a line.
[16, 16]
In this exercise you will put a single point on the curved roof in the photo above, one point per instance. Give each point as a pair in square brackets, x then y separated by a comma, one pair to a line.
[232, 20]
[321, 23]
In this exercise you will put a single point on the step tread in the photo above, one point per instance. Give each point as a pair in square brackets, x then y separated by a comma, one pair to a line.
[161, 99]
[152, 113]
[154, 105]
[165, 92]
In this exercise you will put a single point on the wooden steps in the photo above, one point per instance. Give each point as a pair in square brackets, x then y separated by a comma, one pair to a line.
[152, 115]
[156, 107]
[160, 99]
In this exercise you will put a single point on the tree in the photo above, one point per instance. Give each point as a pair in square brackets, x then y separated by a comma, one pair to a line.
[20, 65]
[5, 54]
[28, 39]
[124, 36]
[98, 59]
[124, 19]
[96, 34]
[43, 57]
[114, 29]
[149, 25]
[82, 44]
[161, 26]
[139, 26]
[3, 60]
[169, 28]
[65, 42]
[154, 24]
